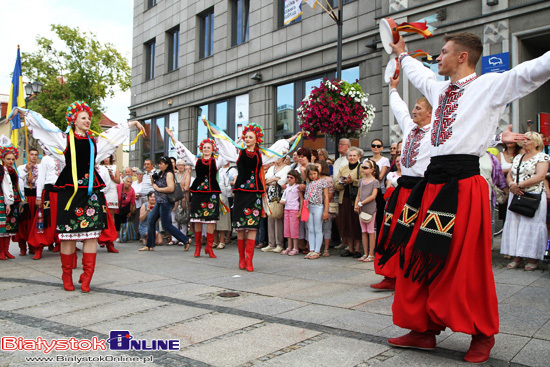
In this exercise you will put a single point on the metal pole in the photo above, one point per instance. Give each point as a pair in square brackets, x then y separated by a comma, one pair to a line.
[339, 44]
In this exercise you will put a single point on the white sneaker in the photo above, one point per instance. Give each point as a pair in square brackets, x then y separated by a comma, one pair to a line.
[268, 249]
[278, 249]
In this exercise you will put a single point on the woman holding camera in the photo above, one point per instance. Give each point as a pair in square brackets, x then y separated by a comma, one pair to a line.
[163, 183]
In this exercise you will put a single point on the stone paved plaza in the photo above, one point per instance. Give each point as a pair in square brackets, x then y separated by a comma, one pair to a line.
[289, 312]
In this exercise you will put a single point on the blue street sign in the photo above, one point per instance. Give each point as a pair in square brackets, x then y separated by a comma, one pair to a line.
[497, 63]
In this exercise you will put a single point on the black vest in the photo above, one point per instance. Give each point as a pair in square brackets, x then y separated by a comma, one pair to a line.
[205, 180]
[249, 167]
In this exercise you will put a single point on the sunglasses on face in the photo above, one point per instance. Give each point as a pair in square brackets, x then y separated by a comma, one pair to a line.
[376, 146]
[366, 167]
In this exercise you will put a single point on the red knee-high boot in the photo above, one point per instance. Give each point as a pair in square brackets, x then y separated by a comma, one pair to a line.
[67, 267]
[75, 260]
[38, 252]
[88, 266]
[249, 254]
[198, 245]
[111, 247]
[241, 246]
[2, 250]
[209, 242]
[7, 241]
[22, 247]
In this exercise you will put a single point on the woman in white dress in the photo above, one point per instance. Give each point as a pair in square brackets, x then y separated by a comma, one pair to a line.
[524, 237]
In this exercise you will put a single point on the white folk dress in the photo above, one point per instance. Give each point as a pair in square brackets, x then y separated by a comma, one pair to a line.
[523, 236]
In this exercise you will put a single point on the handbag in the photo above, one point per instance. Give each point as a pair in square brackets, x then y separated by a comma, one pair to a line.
[305, 207]
[277, 209]
[175, 195]
[365, 217]
[526, 204]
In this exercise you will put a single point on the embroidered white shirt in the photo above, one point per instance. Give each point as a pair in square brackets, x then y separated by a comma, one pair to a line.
[465, 121]
[48, 172]
[415, 150]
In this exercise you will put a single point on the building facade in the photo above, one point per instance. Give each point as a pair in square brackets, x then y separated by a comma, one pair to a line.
[234, 61]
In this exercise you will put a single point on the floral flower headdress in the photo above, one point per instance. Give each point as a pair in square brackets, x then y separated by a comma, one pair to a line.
[209, 141]
[74, 109]
[257, 130]
[7, 147]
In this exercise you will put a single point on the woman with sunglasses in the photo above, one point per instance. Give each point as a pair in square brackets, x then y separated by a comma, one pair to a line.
[163, 183]
[383, 164]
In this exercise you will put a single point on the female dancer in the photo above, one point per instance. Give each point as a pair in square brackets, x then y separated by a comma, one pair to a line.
[81, 209]
[205, 202]
[250, 184]
[12, 197]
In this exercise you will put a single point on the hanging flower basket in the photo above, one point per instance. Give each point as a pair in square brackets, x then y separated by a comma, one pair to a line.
[336, 108]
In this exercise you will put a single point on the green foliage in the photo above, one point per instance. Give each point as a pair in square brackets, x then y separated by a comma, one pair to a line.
[83, 69]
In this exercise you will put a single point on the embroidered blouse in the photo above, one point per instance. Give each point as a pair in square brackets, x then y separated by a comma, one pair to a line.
[415, 151]
[466, 114]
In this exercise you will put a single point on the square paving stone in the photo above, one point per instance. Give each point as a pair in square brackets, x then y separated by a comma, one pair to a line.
[104, 312]
[251, 345]
[331, 351]
[536, 353]
[521, 320]
[318, 314]
[518, 277]
[206, 327]
[362, 322]
[543, 332]
[150, 319]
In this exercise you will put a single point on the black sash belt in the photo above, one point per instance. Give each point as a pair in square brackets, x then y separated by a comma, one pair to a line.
[431, 246]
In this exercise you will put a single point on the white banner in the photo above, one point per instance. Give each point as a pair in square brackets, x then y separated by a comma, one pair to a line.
[312, 3]
[292, 10]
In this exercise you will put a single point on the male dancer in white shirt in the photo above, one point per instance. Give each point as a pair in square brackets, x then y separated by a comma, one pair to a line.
[415, 157]
[28, 174]
[447, 278]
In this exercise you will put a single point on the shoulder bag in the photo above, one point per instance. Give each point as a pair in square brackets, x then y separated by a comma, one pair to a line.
[526, 204]
[177, 194]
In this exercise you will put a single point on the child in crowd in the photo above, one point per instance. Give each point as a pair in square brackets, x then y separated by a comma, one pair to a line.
[327, 224]
[292, 199]
[365, 202]
[316, 195]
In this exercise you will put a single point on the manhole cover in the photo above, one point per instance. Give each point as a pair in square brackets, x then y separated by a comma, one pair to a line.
[229, 294]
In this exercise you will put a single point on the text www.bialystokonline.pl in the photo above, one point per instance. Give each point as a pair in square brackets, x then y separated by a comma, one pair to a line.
[88, 359]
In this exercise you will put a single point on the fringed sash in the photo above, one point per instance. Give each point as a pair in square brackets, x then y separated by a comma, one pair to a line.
[433, 241]
[407, 182]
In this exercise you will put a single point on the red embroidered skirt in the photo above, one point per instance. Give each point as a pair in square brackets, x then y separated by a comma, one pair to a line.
[463, 296]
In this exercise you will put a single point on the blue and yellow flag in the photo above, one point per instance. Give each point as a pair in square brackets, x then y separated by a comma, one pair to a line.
[17, 97]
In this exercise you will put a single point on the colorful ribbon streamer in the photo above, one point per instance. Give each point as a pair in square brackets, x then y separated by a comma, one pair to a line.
[417, 27]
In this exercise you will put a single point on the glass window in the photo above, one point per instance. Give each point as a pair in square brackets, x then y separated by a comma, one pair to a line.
[344, 2]
[221, 116]
[151, 3]
[207, 33]
[350, 75]
[146, 140]
[240, 21]
[310, 84]
[173, 48]
[281, 17]
[285, 110]
[159, 134]
[150, 60]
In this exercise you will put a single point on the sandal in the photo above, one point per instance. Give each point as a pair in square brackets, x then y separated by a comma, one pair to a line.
[369, 259]
[187, 245]
[513, 265]
[308, 255]
[363, 258]
[531, 266]
[326, 253]
[293, 252]
[221, 245]
[285, 252]
[144, 248]
[315, 255]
